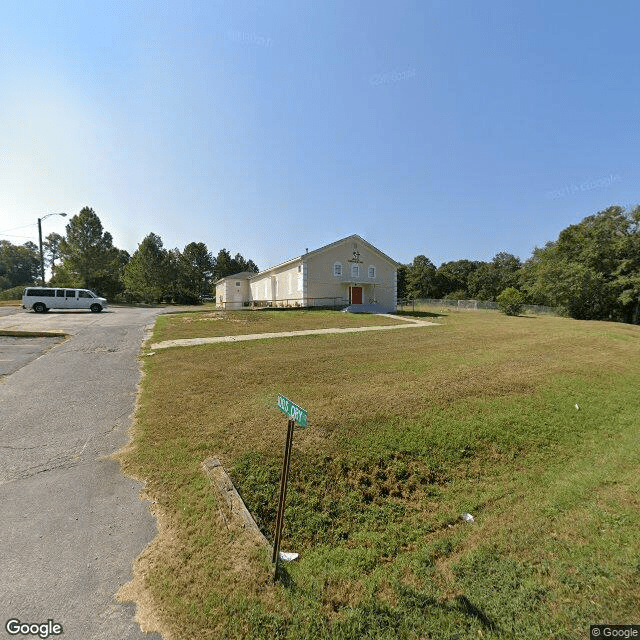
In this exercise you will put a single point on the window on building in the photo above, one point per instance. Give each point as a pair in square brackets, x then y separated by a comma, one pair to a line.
[337, 269]
[372, 272]
[237, 284]
[355, 270]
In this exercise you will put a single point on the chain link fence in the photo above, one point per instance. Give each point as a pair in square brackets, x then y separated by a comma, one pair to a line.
[468, 305]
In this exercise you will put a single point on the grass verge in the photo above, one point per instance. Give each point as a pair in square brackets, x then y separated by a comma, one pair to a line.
[408, 430]
[211, 323]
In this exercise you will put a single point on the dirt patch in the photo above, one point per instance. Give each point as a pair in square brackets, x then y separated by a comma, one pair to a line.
[148, 611]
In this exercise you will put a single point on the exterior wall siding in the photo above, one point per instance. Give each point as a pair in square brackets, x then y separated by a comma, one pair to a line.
[231, 296]
[273, 286]
[312, 280]
[323, 283]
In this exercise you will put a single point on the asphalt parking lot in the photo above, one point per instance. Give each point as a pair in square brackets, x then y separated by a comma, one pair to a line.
[71, 524]
[16, 352]
[69, 321]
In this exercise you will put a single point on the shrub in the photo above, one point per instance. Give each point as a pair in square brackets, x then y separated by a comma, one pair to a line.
[458, 294]
[510, 301]
[15, 293]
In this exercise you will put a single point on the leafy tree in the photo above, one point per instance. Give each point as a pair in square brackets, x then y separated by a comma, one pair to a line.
[422, 278]
[19, 264]
[242, 264]
[225, 265]
[51, 249]
[401, 281]
[510, 301]
[592, 269]
[458, 294]
[490, 278]
[89, 259]
[454, 276]
[191, 272]
[148, 275]
[197, 266]
[485, 283]
[506, 262]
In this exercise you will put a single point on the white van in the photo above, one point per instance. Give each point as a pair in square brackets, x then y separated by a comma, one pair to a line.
[41, 299]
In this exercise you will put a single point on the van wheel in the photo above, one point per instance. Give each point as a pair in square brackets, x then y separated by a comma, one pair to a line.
[39, 307]
[96, 308]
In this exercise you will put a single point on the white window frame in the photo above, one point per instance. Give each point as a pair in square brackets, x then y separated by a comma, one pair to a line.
[372, 271]
[337, 269]
[355, 270]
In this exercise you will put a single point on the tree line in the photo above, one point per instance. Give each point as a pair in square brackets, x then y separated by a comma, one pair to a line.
[87, 258]
[592, 271]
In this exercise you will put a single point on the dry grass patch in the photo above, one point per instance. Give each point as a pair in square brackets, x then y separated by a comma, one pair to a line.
[407, 431]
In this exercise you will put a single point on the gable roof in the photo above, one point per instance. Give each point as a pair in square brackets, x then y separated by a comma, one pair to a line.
[304, 256]
[242, 275]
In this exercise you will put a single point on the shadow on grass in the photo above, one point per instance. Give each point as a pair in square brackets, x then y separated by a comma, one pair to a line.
[420, 314]
[285, 579]
[469, 609]
[411, 599]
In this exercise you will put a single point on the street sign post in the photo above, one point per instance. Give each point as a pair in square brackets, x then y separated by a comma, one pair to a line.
[298, 415]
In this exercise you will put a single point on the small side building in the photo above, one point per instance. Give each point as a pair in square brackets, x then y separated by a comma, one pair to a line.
[232, 292]
[347, 272]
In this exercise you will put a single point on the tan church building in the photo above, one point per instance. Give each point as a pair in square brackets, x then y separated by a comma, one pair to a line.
[349, 272]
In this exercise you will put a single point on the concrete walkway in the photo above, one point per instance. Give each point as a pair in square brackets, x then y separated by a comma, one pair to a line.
[189, 342]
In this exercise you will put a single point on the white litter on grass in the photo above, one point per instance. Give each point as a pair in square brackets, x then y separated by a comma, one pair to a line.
[286, 556]
[467, 517]
[577, 407]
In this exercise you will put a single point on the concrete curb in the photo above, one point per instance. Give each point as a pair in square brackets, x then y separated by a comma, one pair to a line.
[235, 506]
[32, 334]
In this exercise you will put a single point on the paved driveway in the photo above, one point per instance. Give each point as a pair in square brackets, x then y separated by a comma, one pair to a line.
[70, 523]
[15, 353]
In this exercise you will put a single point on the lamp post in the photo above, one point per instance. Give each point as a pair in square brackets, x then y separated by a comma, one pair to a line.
[40, 236]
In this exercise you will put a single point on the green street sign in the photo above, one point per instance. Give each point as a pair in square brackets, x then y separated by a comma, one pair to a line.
[293, 411]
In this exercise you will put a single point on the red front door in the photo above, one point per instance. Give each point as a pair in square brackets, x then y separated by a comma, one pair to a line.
[356, 295]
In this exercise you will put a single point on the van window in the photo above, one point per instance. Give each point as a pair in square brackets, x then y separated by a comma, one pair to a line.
[41, 292]
[85, 294]
[70, 293]
[60, 293]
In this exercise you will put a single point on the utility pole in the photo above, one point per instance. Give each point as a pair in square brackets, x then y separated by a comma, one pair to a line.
[40, 238]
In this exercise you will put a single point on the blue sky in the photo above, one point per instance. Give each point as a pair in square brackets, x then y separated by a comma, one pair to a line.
[450, 129]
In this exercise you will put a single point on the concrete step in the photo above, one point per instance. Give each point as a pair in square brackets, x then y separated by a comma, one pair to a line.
[367, 308]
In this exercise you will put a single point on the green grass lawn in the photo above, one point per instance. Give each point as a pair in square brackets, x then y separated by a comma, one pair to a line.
[210, 323]
[407, 431]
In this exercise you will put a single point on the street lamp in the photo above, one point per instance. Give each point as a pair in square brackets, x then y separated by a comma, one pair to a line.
[40, 236]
